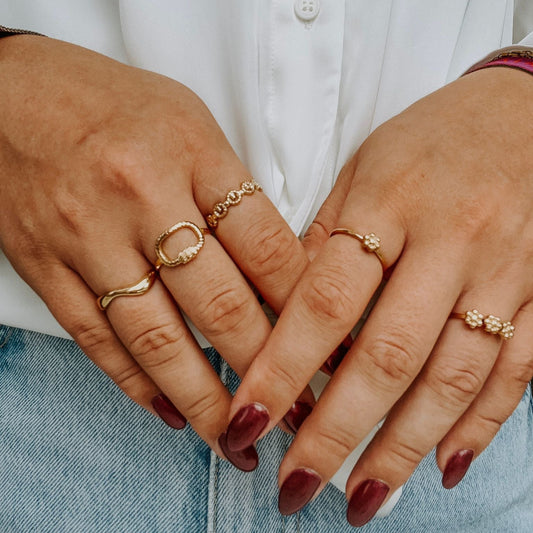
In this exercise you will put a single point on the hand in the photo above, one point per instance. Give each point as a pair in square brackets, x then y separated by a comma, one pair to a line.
[448, 187]
[96, 160]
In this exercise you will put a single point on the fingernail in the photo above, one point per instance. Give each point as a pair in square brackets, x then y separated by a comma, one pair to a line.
[456, 468]
[297, 414]
[245, 460]
[366, 501]
[168, 412]
[297, 490]
[335, 359]
[246, 426]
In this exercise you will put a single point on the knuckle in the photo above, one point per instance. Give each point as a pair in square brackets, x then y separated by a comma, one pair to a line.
[327, 296]
[272, 249]
[336, 441]
[72, 213]
[456, 382]
[521, 372]
[130, 380]
[489, 423]
[156, 346]
[204, 408]
[225, 312]
[404, 456]
[125, 172]
[90, 336]
[316, 232]
[391, 360]
[277, 372]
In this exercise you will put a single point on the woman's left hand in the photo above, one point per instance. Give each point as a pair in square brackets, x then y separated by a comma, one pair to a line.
[448, 187]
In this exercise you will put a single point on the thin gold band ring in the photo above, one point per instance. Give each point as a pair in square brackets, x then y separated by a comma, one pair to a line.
[370, 242]
[142, 286]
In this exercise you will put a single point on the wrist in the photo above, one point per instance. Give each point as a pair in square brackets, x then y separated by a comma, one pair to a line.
[517, 57]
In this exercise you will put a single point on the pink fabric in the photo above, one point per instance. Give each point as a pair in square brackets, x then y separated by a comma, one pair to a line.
[519, 62]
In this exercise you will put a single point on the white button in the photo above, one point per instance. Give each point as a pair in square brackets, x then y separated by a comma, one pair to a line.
[307, 10]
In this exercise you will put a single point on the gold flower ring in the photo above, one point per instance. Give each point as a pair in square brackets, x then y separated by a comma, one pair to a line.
[370, 242]
[490, 323]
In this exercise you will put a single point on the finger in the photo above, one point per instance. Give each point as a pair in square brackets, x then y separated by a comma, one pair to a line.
[73, 305]
[500, 395]
[323, 308]
[212, 292]
[449, 382]
[151, 329]
[326, 219]
[385, 358]
[253, 232]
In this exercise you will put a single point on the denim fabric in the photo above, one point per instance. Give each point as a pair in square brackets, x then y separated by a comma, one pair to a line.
[78, 456]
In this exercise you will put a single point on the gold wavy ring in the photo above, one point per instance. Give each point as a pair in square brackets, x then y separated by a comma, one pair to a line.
[234, 197]
[370, 242]
[490, 323]
[142, 286]
[185, 255]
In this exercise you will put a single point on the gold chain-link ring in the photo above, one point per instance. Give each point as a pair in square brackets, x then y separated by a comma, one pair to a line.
[234, 197]
[370, 242]
[490, 323]
[185, 255]
[142, 286]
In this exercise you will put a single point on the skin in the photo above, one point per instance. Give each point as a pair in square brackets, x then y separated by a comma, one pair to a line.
[96, 160]
[448, 187]
[90, 153]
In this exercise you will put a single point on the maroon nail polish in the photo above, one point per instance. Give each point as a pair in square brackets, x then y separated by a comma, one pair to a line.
[246, 426]
[168, 412]
[335, 359]
[456, 468]
[297, 414]
[365, 501]
[297, 490]
[245, 460]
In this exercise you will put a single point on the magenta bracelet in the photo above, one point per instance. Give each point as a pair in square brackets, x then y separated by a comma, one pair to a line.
[519, 59]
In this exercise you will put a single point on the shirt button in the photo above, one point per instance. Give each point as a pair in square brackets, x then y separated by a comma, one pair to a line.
[307, 10]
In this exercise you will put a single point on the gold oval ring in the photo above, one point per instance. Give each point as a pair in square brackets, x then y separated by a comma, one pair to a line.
[185, 255]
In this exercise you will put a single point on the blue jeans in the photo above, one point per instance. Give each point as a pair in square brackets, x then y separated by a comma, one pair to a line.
[76, 455]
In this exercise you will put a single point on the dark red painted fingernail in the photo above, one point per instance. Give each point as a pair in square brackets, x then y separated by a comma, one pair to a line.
[168, 412]
[335, 359]
[365, 501]
[246, 426]
[456, 468]
[245, 460]
[297, 414]
[297, 490]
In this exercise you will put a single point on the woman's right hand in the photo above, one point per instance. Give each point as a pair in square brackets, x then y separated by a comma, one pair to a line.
[97, 159]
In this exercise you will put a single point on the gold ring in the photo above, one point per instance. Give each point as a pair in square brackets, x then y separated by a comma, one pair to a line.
[139, 288]
[370, 242]
[490, 323]
[234, 197]
[185, 255]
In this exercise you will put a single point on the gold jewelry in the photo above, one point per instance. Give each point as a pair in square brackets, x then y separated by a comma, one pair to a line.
[234, 197]
[491, 324]
[370, 242]
[139, 288]
[188, 253]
